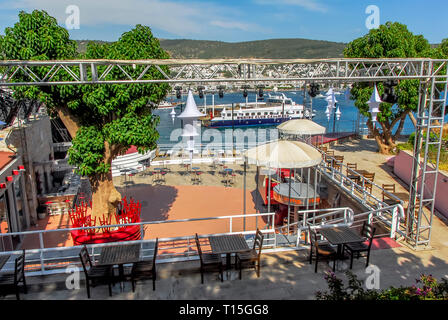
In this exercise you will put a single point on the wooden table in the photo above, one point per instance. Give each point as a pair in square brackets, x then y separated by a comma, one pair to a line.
[119, 255]
[340, 236]
[358, 177]
[228, 244]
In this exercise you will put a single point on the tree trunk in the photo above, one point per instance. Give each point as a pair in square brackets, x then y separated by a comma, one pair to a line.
[384, 141]
[105, 197]
[414, 121]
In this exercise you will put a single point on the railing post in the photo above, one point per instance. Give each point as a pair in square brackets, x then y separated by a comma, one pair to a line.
[41, 241]
[142, 231]
[231, 222]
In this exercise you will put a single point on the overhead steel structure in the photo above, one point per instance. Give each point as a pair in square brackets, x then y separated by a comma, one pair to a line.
[431, 73]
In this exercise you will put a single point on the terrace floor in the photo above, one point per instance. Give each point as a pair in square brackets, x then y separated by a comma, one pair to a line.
[284, 275]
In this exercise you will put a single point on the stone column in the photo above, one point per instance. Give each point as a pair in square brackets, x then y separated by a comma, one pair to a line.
[25, 206]
[15, 226]
[47, 172]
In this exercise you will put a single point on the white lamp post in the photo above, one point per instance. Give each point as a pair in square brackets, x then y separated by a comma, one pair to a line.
[338, 114]
[190, 115]
[173, 114]
[328, 112]
[374, 103]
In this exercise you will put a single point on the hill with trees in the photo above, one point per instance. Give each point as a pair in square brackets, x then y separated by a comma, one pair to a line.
[272, 48]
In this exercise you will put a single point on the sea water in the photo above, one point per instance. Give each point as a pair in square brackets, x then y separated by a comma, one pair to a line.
[169, 129]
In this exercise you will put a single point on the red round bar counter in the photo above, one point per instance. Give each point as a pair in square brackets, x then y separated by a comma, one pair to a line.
[130, 213]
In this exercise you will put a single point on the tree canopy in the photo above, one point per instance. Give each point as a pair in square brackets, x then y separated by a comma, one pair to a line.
[391, 40]
[103, 120]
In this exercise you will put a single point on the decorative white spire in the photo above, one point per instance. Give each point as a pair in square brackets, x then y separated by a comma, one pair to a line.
[374, 103]
[191, 109]
[338, 114]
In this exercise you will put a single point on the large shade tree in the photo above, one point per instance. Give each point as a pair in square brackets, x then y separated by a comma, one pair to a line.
[103, 120]
[391, 40]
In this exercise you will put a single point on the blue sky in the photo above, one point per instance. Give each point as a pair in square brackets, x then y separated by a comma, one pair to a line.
[231, 20]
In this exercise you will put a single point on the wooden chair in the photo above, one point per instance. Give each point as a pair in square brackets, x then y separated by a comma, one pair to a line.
[337, 164]
[339, 158]
[389, 188]
[252, 257]
[369, 177]
[324, 251]
[349, 173]
[95, 274]
[351, 166]
[368, 232]
[9, 283]
[209, 261]
[145, 269]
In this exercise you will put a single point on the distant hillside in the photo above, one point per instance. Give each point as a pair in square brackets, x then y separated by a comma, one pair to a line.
[274, 48]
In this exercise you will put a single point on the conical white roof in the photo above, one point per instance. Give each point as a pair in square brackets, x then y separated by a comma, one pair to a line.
[191, 110]
[375, 98]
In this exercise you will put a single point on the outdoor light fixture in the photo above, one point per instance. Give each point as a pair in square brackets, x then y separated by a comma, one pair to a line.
[374, 103]
[328, 112]
[178, 92]
[260, 91]
[338, 114]
[173, 114]
[245, 91]
[201, 92]
[221, 92]
[314, 90]
[389, 95]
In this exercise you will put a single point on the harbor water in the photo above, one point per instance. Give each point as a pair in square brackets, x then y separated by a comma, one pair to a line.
[170, 130]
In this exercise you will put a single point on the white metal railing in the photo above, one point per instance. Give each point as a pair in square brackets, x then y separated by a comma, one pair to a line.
[333, 216]
[358, 191]
[45, 259]
[348, 218]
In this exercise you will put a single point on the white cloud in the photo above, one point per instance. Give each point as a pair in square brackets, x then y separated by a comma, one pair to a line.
[180, 19]
[232, 25]
[311, 5]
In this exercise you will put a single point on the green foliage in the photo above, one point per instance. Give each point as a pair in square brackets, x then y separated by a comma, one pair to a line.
[391, 40]
[426, 288]
[118, 114]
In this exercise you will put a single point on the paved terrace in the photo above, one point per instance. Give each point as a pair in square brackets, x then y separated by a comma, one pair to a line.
[286, 275]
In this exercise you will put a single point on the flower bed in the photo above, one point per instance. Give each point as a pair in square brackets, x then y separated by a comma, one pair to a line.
[130, 213]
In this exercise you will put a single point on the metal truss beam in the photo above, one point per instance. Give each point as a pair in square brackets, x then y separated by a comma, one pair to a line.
[216, 71]
[234, 72]
[428, 140]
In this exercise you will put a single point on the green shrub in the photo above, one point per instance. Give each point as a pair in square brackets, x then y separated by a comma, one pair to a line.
[426, 288]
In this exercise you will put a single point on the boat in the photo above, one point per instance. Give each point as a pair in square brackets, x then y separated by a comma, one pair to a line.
[166, 105]
[276, 110]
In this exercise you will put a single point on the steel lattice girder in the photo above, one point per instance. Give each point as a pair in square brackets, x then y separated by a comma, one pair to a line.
[255, 71]
[16, 73]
